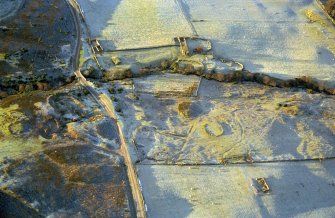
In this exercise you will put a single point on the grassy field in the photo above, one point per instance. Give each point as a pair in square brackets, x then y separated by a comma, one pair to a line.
[2, 56]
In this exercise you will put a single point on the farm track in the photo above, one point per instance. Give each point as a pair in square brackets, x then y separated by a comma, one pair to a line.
[107, 105]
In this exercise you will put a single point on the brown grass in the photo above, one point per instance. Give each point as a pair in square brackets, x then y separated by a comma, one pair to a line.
[330, 8]
[184, 109]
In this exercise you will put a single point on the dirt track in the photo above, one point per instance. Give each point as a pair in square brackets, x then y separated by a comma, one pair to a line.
[107, 105]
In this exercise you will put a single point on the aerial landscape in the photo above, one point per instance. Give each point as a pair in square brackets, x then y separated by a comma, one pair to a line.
[167, 108]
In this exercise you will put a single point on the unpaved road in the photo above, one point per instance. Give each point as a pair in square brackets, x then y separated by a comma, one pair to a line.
[107, 105]
[131, 171]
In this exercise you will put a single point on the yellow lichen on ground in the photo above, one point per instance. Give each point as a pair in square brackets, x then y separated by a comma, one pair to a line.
[204, 130]
[291, 110]
[329, 120]
[310, 143]
[2, 56]
[285, 105]
[314, 17]
[139, 113]
[10, 120]
[271, 105]
[17, 147]
[214, 128]
[208, 136]
[316, 33]
[81, 57]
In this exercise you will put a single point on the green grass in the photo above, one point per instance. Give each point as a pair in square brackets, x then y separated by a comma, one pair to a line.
[81, 57]
[14, 147]
[2, 56]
